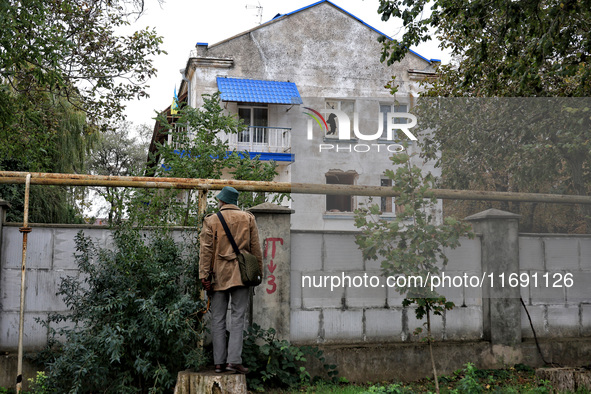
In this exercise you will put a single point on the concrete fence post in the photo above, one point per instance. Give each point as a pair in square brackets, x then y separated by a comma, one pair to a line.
[501, 306]
[271, 302]
[4, 206]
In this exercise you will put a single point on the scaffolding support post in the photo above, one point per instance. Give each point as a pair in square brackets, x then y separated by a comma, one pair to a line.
[25, 230]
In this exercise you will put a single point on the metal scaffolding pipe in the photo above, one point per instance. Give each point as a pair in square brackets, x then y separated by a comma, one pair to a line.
[25, 230]
[277, 187]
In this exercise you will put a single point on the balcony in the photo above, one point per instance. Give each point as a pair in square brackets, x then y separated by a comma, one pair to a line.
[262, 139]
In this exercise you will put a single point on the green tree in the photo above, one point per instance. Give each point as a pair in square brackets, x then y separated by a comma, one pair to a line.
[135, 314]
[198, 151]
[412, 244]
[121, 151]
[63, 72]
[70, 48]
[525, 48]
[505, 48]
[42, 133]
[534, 145]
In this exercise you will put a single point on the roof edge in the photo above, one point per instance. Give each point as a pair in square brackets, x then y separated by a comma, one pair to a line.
[277, 19]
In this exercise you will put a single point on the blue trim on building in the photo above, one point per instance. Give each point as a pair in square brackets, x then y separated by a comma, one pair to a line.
[268, 156]
[265, 156]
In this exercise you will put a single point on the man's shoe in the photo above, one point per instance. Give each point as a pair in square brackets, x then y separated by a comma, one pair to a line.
[238, 368]
[219, 368]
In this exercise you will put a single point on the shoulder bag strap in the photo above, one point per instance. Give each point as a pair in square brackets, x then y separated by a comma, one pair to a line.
[228, 234]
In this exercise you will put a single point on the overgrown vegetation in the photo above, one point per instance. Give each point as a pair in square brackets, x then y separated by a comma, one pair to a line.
[42, 134]
[118, 152]
[413, 243]
[520, 49]
[517, 379]
[134, 320]
[468, 380]
[277, 363]
[65, 72]
[135, 317]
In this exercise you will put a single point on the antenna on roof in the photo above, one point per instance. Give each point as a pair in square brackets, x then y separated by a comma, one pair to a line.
[259, 11]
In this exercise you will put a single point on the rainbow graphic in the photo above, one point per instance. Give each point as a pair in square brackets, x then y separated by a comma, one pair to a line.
[316, 118]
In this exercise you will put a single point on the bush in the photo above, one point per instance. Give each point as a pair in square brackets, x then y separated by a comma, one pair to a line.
[134, 321]
[277, 363]
[38, 384]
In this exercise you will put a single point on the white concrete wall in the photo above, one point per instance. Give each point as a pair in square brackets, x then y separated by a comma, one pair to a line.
[319, 315]
[366, 313]
[50, 257]
[556, 309]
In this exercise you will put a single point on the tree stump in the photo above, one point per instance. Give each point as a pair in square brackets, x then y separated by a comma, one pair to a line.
[208, 382]
[563, 379]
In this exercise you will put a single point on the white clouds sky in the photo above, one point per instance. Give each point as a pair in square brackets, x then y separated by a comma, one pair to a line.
[183, 23]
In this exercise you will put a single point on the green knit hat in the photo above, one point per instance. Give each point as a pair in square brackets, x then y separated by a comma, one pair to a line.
[229, 195]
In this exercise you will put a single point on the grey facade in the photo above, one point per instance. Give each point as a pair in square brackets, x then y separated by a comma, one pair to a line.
[334, 60]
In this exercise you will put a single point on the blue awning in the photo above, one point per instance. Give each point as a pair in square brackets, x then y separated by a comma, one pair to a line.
[258, 91]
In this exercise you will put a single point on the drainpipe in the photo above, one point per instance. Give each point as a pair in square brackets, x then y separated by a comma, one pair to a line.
[25, 230]
[184, 77]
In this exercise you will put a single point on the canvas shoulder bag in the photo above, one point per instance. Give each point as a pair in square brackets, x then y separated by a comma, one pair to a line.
[250, 271]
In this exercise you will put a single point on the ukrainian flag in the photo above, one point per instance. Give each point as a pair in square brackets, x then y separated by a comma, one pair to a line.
[174, 108]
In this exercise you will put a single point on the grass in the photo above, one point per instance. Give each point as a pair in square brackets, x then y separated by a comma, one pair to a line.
[469, 380]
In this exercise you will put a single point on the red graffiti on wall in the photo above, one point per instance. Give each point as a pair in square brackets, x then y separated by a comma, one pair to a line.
[271, 266]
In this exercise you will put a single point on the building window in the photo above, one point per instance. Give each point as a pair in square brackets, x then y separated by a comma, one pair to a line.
[391, 108]
[388, 204]
[340, 203]
[347, 106]
[256, 117]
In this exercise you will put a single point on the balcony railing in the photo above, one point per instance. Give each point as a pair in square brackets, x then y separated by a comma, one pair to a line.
[262, 139]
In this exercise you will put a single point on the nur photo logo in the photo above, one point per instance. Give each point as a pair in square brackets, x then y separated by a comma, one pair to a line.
[336, 124]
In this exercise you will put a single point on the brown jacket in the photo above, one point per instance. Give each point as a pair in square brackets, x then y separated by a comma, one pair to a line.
[217, 249]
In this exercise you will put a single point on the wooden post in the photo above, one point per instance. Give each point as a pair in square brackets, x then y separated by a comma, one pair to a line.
[201, 207]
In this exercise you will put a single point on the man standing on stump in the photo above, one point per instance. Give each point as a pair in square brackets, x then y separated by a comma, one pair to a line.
[220, 275]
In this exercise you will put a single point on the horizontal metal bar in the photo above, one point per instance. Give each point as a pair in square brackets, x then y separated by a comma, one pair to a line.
[275, 187]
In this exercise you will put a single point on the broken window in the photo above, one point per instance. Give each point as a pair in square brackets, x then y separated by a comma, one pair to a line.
[340, 203]
[346, 106]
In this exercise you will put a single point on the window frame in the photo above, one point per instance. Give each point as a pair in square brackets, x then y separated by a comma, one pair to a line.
[339, 103]
[340, 200]
[244, 137]
[393, 107]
